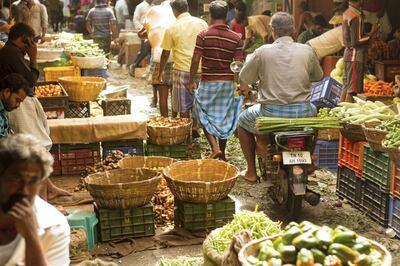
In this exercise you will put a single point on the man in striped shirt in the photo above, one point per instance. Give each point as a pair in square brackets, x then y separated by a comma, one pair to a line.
[215, 105]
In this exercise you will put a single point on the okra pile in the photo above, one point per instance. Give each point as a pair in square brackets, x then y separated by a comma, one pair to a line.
[307, 244]
[393, 136]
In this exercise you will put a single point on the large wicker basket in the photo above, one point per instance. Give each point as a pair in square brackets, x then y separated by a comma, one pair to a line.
[352, 132]
[123, 188]
[82, 89]
[253, 247]
[374, 136]
[89, 62]
[393, 152]
[157, 163]
[167, 136]
[201, 181]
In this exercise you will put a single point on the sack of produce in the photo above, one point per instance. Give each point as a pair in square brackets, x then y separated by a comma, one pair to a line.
[217, 244]
[309, 244]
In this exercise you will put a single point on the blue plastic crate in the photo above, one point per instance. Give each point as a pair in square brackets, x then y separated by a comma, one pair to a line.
[131, 147]
[95, 72]
[394, 215]
[327, 153]
[326, 93]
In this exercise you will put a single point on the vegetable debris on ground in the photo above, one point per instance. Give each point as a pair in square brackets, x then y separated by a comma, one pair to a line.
[257, 223]
[180, 261]
[163, 202]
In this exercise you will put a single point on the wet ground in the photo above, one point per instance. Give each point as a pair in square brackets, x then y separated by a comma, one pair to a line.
[247, 195]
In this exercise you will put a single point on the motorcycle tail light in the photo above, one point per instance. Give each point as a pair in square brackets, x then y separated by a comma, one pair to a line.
[314, 158]
[296, 143]
[277, 158]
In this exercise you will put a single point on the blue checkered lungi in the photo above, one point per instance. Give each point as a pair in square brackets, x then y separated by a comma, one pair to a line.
[247, 119]
[216, 108]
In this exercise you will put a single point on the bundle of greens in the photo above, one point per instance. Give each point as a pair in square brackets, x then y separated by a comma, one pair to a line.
[270, 124]
[257, 223]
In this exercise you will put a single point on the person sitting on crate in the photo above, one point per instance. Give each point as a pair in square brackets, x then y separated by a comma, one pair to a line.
[285, 70]
[32, 232]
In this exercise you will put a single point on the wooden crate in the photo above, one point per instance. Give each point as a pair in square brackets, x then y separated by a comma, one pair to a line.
[387, 70]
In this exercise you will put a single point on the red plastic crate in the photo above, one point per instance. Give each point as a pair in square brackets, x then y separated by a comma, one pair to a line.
[351, 155]
[395, 180]
[75, 162]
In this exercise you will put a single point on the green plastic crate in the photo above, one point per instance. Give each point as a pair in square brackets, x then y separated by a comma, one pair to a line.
[73, 147]
[195, 216]
[122, 223]
[376, 167]
[175, 151]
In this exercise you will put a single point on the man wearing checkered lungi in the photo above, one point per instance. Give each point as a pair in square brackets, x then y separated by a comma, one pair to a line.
[180, 39]
[215, 105]
[285, 70]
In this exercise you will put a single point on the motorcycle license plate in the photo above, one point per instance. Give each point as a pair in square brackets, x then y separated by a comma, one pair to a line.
[296, 157]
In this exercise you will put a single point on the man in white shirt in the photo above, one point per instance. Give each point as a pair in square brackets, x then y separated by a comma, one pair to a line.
[122, 13]
[32, 232]
[138, 21]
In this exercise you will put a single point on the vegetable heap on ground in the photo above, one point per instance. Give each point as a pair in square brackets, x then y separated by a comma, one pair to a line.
[378, 88]
[306, 244]
[257, 223]
[359, 112]
[180, 261]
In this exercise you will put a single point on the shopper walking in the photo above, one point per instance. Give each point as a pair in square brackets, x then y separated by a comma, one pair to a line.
[180, 40]
[215, 105]
[101, 25]
[122, 13]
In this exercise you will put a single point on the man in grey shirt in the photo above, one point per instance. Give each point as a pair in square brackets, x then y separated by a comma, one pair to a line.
[285, 70]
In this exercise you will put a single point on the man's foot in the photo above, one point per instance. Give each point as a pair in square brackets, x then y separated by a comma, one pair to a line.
[153, 102]
[55, 192]
[249, 177]
[216, 154]
[132, 71]
[223, 157]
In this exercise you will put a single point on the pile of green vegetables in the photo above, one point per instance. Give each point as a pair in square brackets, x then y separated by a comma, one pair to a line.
[270, 124]
[257, 223]
[306, 244]
[84, 48]
[359, 112]
[392, 128]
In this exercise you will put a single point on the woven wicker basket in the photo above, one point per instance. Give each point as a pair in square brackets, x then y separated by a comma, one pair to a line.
[157, 163]
[374, 136]
[123, 188]
[352, 132]
[89, 62]
[201, 181]
[82, 89]
[252, 248]
[329, 134]
[167, 136]
[393, 152]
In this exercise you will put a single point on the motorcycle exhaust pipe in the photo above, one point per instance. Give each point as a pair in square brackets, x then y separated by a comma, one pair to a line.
[312, 198]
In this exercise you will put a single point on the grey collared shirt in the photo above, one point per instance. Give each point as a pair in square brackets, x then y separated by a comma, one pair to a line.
[285, 70]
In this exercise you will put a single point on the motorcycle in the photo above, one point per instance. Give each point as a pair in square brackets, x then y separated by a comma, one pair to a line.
[287, 163]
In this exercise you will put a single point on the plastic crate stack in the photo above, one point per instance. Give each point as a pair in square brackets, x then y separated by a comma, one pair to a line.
[76, 157]
[131, 147]
[394, 201]
[327, 154]
[179, 151]
[364, 179]
[125, 223]
[203, 216]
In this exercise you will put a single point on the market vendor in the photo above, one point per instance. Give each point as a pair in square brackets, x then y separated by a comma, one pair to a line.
[13, 91]
[394, 46]
[356, 44]
[32, 232]
[257, 27]
[20, 42]
[285, 70]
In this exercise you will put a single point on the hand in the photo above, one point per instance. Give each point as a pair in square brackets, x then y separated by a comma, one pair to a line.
[31, 49]
[245, 90]
[160, 78]
[142, 34]
[192, 87]
[24, 218]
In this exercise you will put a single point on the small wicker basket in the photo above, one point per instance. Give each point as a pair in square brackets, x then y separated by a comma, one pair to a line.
[123, 188]
[82, 89]
[201, 181]
[253, 247]
[167, 136]
[157, 163]
[374, 136]
[352, 132]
